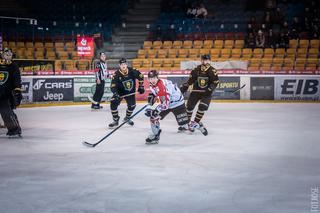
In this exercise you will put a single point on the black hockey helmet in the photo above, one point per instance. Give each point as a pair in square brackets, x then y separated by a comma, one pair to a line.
[122, 60]
[206, 57]
[153, 73]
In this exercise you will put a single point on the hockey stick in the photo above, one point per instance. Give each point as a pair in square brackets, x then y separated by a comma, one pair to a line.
[94, 102]
[233, 91]
[110, 133]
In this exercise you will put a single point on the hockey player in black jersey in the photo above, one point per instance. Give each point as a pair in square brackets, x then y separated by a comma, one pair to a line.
[101, 73]
[123, 86]
[10, 92]
[204, 79]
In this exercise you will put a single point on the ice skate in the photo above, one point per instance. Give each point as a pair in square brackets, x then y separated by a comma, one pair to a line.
[153, 139]
[129, 121]
[16, 133]
[115, 123]
[202, 129]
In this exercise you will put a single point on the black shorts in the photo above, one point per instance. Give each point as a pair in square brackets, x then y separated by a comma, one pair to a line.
[179, 112]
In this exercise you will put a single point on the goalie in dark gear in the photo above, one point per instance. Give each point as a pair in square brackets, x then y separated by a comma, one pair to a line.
[10, 92]
[204, 79]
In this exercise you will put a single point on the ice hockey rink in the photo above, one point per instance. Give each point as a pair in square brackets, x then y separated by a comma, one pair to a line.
[257, 158]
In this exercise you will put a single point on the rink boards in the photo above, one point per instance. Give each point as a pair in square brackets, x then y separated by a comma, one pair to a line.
[44, 89]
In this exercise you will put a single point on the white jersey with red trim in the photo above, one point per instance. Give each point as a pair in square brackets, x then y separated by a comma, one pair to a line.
[168, 94]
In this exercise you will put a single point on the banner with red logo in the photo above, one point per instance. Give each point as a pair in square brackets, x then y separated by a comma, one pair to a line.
[85, 46]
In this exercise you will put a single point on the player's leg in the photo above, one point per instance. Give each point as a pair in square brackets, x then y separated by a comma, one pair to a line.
[191, 103]
[203, 106]
[131, 105]
[98, 95]
[182, 118]
[10, 119]
[115, 113]
[154, 137]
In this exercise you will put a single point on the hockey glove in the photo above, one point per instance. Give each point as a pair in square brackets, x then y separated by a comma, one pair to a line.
[208, 91]
[17, 97]
[155, 114]
[141, 89]
[116, 97]
[148, 112]
[151, 99]
[184, 87]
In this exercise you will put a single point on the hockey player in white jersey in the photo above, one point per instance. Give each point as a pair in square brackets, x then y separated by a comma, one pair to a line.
[169, 99]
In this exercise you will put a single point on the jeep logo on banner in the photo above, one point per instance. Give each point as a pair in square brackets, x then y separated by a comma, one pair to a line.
[298, 88]
[52, 89]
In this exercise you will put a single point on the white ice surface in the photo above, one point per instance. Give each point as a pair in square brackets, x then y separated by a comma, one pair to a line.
[257, 158]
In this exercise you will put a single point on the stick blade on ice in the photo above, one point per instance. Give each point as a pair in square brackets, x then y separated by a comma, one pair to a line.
[85, 143]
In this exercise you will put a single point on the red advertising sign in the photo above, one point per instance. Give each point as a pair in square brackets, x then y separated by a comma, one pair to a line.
[85, 46]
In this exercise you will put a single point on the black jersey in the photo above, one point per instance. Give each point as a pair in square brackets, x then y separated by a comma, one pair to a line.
[124, 83]
[204, 77]
[10, 79]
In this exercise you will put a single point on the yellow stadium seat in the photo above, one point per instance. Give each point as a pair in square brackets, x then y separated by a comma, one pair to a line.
[20, 44]
[157, 45]
[235, 53]
[215, 53]
[228, 44]
[162, 53]
[58, 65]
[157, 63]
[268, 53]
[48, 44]
[69, 65]
[176, 63]
[197, 44]
[147, 45]
[291, 53]
[39, 55]
[288, 64]
[74, 55]
[204, 51]
[28, 54]
[183, 53]
[303, 43]
[20, 53]
[83, 65]
[280, 53]
[136, 63]
[225, 53]
[177, 44]
[302, 53]
[218, 44]
[29, 45]
[167, 63]
[293, 43]
[146, 63]
[239, 44]
[173, 53]
[187, 44]
[51, 55]
[152, 53]
[38, 45]
[167, 45]
[63, 55]
[277, 61]
[247, 53]
[315, 43]
[207, 44]
[193, 53]
[142, 53]
[257, 53]
[313, 53]
[12, 44]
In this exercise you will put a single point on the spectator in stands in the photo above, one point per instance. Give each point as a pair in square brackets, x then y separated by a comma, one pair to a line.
[293, 34]
[158, 35]
[253, 23]
[285, 28]
[192, 11]
[271, 40]
[250, 29]
[315, 32]
[277, 17]
[296, 25]
[267, 21]
[201, 11]
[283, 41]
[171, 34]
[250, 41]
[260, 39]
